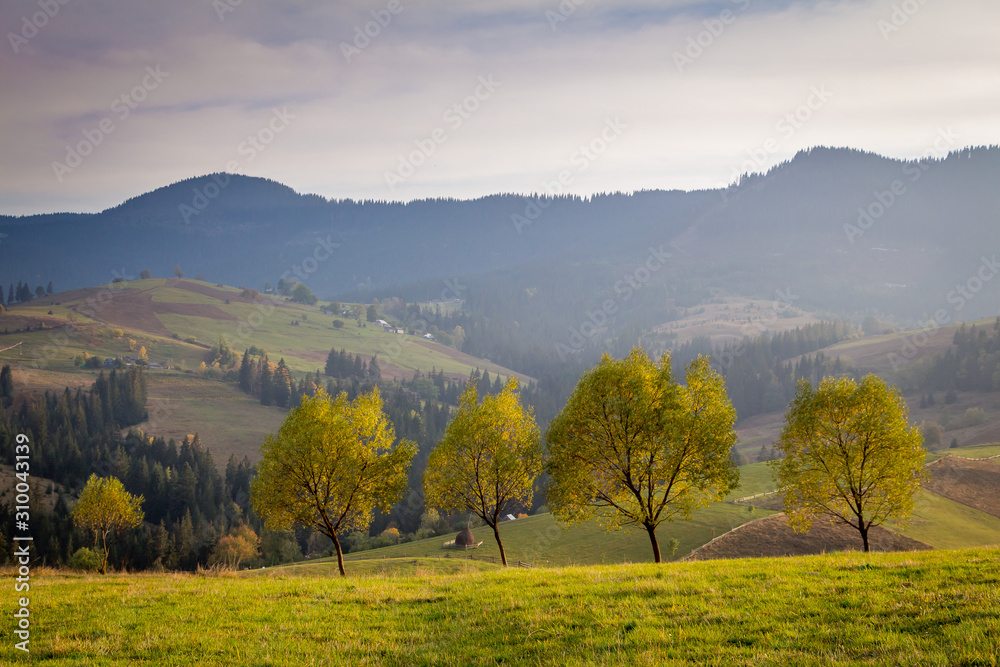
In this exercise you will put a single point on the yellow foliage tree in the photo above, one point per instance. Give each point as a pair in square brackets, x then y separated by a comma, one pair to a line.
[488, 460]
[331, 464]
[849, 454]
[231, 550]
[633, 447]
[106, 508]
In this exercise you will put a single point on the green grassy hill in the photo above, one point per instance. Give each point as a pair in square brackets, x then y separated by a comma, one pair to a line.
[911, 609]
[177, 321]
[946, 524]
[540, 541]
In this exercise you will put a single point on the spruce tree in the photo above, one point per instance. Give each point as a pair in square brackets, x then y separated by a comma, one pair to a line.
[266, 390]
[281, 384]
[246, 372]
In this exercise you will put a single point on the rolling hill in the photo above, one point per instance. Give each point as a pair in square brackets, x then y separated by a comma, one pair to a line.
[181, 319]
[177, 322]
[956, 509]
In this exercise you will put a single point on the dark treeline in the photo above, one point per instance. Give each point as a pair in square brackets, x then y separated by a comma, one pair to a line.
[273, 383]
[23, 293]
[973, 364]
[761, 372]
[188, 505]
[73, 431]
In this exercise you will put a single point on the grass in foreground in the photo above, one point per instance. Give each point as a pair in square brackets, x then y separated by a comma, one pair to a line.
[929, 608]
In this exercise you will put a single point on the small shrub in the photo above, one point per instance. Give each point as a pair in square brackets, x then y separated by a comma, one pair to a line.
[672, 545]
[932, 435]
[85, 560]
[974, 417]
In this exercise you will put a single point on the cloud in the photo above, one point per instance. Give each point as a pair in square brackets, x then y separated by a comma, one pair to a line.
[356, 115]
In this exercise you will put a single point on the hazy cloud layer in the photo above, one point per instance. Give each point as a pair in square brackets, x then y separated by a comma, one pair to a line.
[695, 92]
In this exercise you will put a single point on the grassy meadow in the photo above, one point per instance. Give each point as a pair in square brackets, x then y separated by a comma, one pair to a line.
[946, 524]
[152, 312]
[926, 609]
[540, 541]
[116, 320]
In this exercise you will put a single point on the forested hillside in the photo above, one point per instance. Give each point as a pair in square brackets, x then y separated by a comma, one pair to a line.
[852, 232]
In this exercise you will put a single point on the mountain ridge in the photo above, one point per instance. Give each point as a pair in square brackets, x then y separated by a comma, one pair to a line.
[245, 230]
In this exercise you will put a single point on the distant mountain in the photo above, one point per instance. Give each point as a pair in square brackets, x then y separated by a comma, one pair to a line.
[850, 232]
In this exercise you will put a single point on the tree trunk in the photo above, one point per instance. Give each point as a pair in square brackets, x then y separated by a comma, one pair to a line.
[864, 536]
[656, 546]
[104, 560]
[340, 553]
[496, 534]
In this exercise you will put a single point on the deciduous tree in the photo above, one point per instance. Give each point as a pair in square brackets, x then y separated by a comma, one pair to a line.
[849, 455]
[488, 460]
[106, 508]
[633, 447]
[302, 294]
[231, 550]
[331, 464]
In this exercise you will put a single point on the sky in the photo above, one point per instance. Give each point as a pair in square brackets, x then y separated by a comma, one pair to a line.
[409, 99]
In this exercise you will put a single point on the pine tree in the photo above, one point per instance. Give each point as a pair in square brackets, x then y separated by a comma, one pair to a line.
[246, 372]
[184, 542]
[266, 390]
[6, 385]
[281, 384]
[331, 363]
[484, 386]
